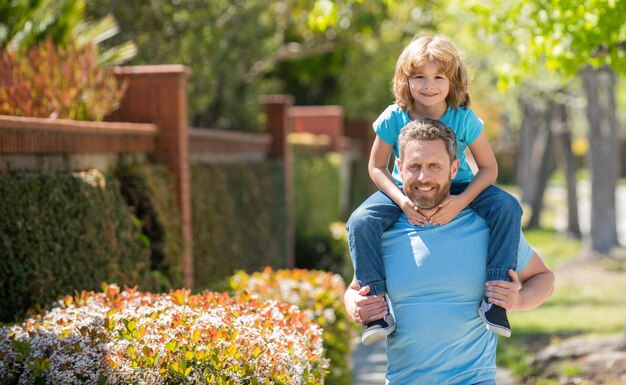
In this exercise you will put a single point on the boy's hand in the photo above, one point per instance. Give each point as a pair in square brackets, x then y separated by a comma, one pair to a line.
[448, 209]
[505, 294]
[413, 215]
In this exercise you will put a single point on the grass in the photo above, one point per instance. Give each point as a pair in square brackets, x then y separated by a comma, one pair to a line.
[588, 300]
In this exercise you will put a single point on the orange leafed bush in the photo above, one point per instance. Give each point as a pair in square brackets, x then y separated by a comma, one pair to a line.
[319, 294]
[131, 337]
[48, 81]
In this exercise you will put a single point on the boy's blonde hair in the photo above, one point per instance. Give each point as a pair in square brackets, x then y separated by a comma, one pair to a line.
[443, 53]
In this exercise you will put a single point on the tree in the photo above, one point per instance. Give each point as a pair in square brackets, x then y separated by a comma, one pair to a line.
[572, 40]
[27, 23]
[240, 49]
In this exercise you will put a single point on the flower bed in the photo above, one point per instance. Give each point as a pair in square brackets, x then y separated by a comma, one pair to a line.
[319, 294]
[130, 337]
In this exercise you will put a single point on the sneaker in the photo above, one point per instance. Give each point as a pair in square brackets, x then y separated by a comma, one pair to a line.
[378, 329]
[495, 319]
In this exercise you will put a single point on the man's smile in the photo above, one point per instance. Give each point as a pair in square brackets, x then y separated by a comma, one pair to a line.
[425, 188]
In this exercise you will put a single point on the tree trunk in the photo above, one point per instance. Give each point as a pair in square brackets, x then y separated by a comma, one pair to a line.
[527, 135]
[603, 157]
[566, 162]
[543, 165]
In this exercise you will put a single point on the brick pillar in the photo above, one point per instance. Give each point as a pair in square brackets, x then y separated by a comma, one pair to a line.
[158, 94]
[278, 125]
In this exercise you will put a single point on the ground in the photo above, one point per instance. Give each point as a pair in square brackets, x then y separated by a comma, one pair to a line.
[583, 360]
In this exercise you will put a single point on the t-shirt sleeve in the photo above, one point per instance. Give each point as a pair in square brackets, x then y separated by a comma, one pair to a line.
[524, 254]
[471, 129]
[383, 128]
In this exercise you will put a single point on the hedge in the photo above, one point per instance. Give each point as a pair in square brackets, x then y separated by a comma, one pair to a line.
[319, 295]
[130, 337]
[320, 235]
[239, 219]
[61, 233]
[148, 192]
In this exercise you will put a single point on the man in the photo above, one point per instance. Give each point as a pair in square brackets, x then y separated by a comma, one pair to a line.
[436, 274]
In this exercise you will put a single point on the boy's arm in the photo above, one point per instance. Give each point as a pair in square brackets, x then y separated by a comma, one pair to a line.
[377, 167]
[487, 168]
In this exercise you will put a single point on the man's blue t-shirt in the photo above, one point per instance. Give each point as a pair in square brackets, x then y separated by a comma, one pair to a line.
[435, 281]
[463, 121]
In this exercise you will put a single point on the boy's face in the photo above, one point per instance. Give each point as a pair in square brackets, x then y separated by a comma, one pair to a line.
[429, 87]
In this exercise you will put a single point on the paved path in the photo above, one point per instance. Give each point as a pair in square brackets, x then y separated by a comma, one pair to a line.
[370, 365]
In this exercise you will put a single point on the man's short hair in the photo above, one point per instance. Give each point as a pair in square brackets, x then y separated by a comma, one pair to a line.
[428, 129]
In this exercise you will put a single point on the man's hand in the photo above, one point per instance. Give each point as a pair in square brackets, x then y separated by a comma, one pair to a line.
[448, 210]
[362, 308]
[412, 214]
[505, 294]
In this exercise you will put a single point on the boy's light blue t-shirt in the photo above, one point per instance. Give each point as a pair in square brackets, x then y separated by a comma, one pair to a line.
[463, 121]
[435, 281]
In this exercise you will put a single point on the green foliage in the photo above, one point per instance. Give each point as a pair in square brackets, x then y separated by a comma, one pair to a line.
[239, 218]
[327, 251]
[361, 185]
[316, 180]
[319, 295]
[295, 46]
[562, 35]
[26, 23]
[320, 239]
[226, 44]
[60, 233]
[29, 23]
[148, 192]
[50, 81]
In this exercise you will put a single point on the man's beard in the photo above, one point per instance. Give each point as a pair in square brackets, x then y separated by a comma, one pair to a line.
[426, 203]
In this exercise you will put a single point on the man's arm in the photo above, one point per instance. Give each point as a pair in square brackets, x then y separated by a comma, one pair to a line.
[363, 308]
[527, 290]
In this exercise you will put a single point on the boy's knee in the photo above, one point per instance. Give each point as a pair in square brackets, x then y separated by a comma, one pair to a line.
[358, 218]
[511, 206]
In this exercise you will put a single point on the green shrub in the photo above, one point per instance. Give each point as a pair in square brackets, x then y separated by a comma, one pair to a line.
[326, 251]
[61, 233]
[239, 219]
[361, 185]
[132, 337]
[148, 192]
[320, 296]
[317, 185]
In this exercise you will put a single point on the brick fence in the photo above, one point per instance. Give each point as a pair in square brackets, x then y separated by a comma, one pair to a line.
[151, 124]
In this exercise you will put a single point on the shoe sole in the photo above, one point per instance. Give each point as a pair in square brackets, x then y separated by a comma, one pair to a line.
[497, 329]
[369, 338]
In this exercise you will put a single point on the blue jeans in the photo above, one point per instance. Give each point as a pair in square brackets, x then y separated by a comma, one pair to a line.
[501, 211]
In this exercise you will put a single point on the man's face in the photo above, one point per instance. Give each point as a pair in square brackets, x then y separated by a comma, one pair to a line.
[426, 172]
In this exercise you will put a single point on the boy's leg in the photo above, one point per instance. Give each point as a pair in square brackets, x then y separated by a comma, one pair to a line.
[503, 214]
[365, 228]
